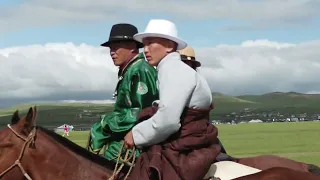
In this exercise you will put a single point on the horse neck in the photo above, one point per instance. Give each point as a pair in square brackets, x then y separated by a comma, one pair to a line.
[57, 161]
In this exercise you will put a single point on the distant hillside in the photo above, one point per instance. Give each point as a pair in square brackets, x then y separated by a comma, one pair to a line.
[43, 106]
[280, 101]
[219, 97]
[86, 113]
[52, 115]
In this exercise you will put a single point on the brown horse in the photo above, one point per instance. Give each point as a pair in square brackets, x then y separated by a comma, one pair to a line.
[32, 152]
[279, 168]
[280, 173]
[265, 162]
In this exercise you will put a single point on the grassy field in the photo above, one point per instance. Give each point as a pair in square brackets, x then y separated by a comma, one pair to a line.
[298, 141]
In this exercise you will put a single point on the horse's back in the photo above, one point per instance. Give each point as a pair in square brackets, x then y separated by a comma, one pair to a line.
[226, 170]
[280, 173]
[229, 170]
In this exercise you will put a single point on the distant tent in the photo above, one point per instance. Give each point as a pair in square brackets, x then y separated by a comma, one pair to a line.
[255, 121]
[61, 128]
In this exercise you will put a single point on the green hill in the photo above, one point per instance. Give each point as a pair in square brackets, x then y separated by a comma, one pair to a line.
[52, 115]
[289, 100]
[84, 114]
[285, 103]
[280, 98]
[43, 106]
[219, 97]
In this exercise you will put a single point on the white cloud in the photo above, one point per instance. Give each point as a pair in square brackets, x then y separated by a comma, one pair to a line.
[262, 66]
[259, 14]
[64, 71]
[55, 69]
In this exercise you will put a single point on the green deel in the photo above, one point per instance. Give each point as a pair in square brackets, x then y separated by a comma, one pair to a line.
[136, 89]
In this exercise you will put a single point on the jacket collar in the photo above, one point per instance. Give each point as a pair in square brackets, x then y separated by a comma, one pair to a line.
[121, 72]
[124, 69]
[170, 57]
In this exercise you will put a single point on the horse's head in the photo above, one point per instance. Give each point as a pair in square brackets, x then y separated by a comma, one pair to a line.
[17, 141]
[29, 151]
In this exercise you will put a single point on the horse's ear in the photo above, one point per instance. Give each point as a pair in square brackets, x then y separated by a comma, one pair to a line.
[15, 118]
[34, 115]
[29, 116]
[27, 123]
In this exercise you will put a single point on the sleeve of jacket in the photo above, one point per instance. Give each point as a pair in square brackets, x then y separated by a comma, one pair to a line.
[176, 86]
[142, 92]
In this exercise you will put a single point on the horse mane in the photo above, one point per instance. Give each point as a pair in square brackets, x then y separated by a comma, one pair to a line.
[78, 149]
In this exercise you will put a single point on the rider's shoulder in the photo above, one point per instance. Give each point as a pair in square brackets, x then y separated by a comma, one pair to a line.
[142, 66]
[141, 69]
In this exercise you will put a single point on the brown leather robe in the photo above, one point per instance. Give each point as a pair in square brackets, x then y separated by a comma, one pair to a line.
[187, 154]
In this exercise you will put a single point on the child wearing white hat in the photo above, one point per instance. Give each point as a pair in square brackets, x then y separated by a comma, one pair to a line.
[180, 127]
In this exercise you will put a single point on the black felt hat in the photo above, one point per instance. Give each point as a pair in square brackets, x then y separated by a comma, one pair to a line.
[122, 32]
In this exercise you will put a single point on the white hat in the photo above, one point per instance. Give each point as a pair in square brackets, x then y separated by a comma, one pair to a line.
[162, 29]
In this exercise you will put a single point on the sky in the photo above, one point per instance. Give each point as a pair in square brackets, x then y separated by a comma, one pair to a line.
[49, 50]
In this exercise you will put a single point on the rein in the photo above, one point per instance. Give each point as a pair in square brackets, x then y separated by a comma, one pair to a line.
[124, 160]
[27, 141]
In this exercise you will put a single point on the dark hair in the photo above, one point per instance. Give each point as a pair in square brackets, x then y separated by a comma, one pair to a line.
[192, 64]
[190, 61]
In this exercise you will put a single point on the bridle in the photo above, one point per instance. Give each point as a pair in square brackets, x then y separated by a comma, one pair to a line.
[29, 140]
